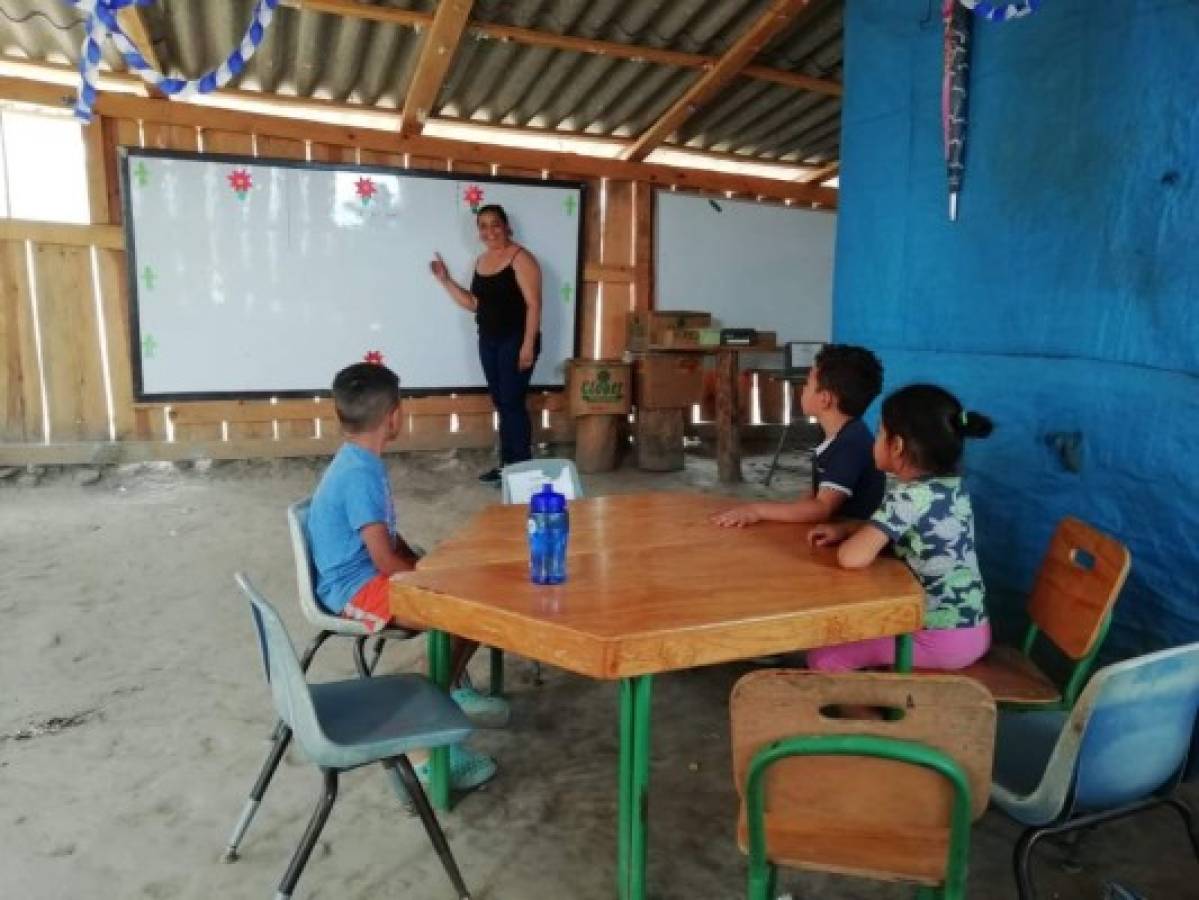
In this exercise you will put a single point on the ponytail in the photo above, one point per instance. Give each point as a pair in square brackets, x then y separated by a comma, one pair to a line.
[974, 424]
[933, 425]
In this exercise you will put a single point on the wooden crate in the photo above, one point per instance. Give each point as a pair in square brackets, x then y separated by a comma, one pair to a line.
[669, 380]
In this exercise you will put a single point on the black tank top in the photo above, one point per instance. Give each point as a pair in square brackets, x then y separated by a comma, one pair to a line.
[501, 311]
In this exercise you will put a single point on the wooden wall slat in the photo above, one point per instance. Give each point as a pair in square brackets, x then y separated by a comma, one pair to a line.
[466, 169]
[618, 250]
[592, 236]
[227, 142]
[280, 148]
[427, 163]
[242, 411]
[117, 133]
[114, 307]
[70, 343]
[643, 246]
[332, 153]
[170, 137]
[20, 386]
[93, 162]
[380, 158]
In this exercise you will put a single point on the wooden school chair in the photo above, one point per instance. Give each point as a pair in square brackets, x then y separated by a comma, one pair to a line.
[327, 625]
[1071, 606]
[889, 799]
[1125, 747]
[344, 725]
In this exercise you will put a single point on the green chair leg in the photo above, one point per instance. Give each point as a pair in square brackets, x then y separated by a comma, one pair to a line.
[497, 672]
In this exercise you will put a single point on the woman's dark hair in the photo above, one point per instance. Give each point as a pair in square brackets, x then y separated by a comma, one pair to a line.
[496, 210]
[363, 394]
[933, 425]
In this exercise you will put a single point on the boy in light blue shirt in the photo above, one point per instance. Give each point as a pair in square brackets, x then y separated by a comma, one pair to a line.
[356, 547]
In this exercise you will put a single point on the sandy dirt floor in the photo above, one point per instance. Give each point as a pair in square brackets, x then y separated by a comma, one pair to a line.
[134, 717]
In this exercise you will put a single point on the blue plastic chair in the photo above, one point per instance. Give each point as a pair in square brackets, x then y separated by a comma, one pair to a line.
[1123, 749]
[550, 470]
[327, 625]
[343, 725]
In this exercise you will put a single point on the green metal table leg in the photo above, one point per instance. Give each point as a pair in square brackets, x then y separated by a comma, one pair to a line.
[632, 829]
[905, 652]
[439, 759]
[497, 672]
[625, 776]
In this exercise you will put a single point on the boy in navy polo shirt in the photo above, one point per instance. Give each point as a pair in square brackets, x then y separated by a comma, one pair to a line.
[843, 382]
[356, 547]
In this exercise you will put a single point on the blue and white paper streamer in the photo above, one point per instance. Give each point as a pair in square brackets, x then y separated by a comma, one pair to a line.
[102, 22]
[1001, 12]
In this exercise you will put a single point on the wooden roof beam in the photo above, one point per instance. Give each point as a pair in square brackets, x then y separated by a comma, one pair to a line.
[536, 38]
[132, 20]
[824, 173]
[436, 55]
[778, 16]
[181, 112]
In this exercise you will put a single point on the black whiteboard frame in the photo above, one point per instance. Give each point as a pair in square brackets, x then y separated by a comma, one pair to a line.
[135, 342]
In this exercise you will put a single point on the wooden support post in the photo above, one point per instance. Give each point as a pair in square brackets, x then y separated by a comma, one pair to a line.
[660, 439]
[728, 436]
[597, 443]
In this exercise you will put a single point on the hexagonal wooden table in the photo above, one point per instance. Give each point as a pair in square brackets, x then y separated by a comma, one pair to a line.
[652, 586]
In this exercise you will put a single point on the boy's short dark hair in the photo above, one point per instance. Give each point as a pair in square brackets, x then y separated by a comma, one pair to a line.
[851, 374]
[363, 394]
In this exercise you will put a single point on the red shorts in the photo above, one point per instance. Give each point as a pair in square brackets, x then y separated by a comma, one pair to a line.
[371, 605]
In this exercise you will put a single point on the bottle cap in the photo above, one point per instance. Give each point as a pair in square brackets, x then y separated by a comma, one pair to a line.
[547, 500]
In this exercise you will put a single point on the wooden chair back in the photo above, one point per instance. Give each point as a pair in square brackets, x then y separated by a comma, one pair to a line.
[1077, 586]
[861, 815]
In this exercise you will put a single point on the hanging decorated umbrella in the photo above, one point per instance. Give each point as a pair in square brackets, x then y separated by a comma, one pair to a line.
[955, 92]
[955, 77]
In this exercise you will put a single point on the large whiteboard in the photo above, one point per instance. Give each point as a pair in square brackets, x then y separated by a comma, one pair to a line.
[252, 276]
[752, 265]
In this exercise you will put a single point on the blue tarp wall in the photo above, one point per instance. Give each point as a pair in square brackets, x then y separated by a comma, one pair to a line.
[1065, 301]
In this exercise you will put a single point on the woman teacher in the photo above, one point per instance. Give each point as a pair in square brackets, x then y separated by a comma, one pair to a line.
[505, 296]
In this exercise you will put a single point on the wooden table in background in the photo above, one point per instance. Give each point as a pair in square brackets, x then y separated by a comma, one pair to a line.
[728, 432]
[652, 587]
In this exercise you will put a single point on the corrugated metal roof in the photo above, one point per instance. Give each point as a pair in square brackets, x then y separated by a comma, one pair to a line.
[327, 56]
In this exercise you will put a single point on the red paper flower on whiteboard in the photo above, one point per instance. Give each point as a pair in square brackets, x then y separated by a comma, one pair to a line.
[473, 196]
[241, 181]
[374, 356]
[366, 190]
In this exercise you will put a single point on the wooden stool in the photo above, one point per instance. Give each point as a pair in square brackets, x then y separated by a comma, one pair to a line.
[597, 443]
[659, 435]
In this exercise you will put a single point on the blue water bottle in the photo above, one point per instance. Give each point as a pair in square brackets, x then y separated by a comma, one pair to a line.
[549, 532]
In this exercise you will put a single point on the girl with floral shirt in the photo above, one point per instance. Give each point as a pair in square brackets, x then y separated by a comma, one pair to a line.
[927, 519]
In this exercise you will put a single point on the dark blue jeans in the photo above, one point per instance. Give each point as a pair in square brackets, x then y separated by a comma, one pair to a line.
[508, 385]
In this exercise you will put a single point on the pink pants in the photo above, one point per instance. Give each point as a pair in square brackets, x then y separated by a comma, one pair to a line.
[946, 648]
